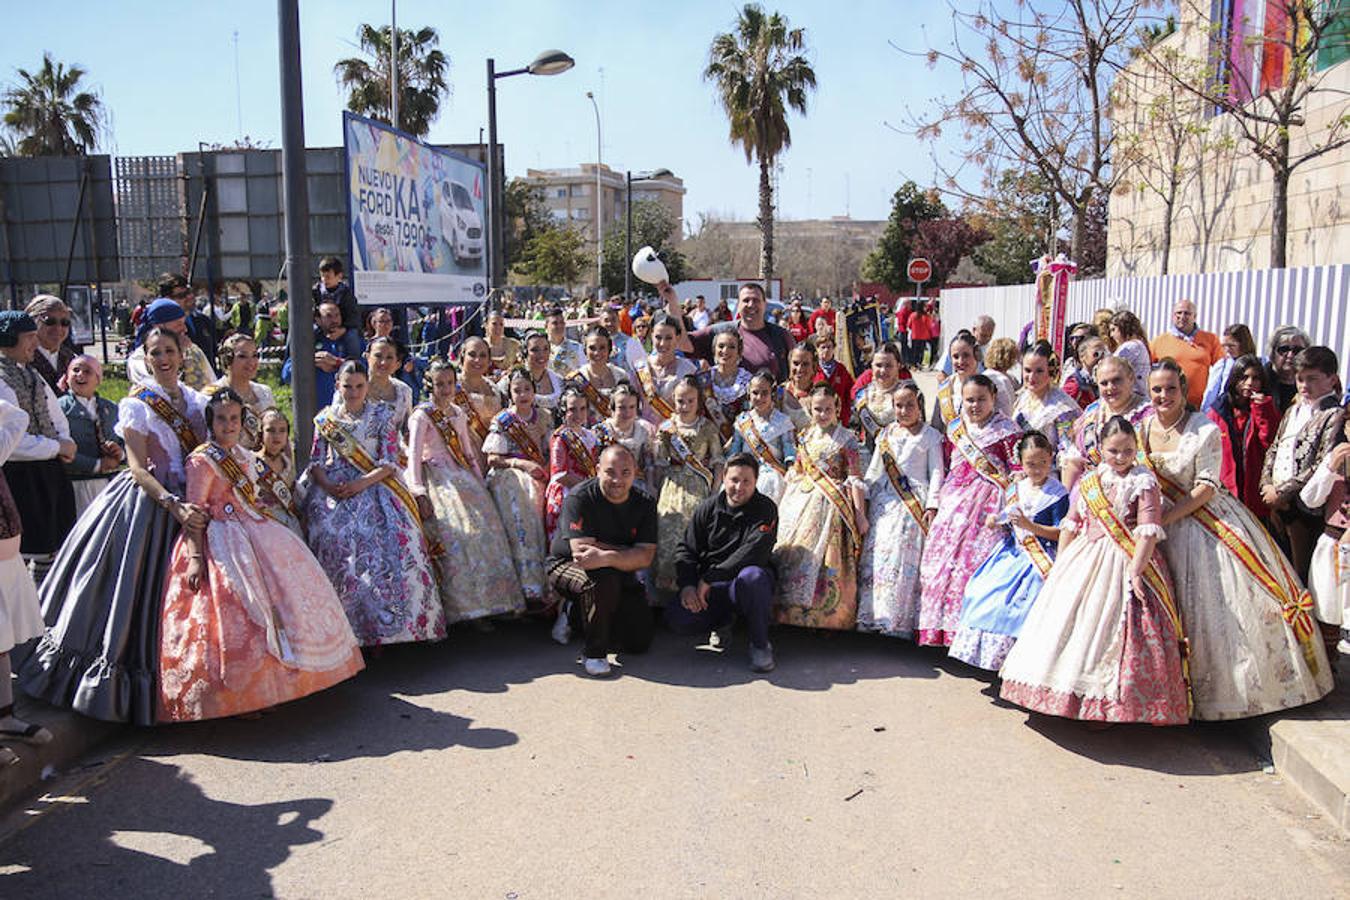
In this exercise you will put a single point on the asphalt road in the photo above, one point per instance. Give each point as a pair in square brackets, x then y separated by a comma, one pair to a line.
[488, 767]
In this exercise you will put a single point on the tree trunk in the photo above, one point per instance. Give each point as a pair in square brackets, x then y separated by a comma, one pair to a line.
[1167, 236]
[1279, 204]
[1079, 231]
[765, 221]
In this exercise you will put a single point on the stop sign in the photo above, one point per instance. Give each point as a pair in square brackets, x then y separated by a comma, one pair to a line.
[920, 270]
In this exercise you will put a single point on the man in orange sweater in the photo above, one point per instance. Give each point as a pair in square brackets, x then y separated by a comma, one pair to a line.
[1194, 350]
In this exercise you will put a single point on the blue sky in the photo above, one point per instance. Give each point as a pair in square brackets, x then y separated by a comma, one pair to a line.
[166, 72]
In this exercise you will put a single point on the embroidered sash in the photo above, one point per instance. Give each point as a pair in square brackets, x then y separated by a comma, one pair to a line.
[598, 401]
[446, 429]
[900, 482]
[977, 458]
[750, 432]
[187, 437]
[681, 455]
[945, 402]
[576, 446]
[832, 493]
[234, 473]
[476, 423]
[272, 482]
[658, 403]
[347, 446]
[519, 433]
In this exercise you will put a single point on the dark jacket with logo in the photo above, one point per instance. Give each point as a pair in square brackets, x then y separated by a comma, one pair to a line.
[721, 540]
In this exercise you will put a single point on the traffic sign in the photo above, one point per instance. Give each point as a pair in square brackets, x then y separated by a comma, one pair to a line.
[920, 270]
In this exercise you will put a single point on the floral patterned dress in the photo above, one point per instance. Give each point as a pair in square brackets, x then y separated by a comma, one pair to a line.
[370, 545]
[682, 485]
[264, 626]
[873, 410]
[724, 400]
[276, 492]
[476, 575]
[640, 439]
[520, 497]
[571, 451]
[1053, 415]
[480, 407]
[655, 382]
[817, 550]
[596, 390]
[775, 435]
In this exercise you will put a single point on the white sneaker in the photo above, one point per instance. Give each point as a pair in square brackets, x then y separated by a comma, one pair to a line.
[597, 668]
[562, 628]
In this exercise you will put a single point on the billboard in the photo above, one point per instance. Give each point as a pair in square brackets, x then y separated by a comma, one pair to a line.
[418, 219]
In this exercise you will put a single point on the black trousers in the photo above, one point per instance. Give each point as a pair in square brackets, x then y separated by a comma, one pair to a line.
[612, 607]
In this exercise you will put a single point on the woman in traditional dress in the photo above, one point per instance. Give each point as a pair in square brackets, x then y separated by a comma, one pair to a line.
[382, 363]
[689, 458]
[597, 380]
[476, 396]
[625, 426]
[1329, 574]
[1001, 592]
[874, 403]
[478, 578]
[1041, 406]
[951, 393]
[517, 453]
[238, 358]
[276, 483]
[99, 452]
[769, 434]
[249, 621]
[102, 598]
[547, 384]
[363, 524]
[1115, 381]
[572, 452]
[983, 445]
[822, 523]
[1254, 647]
[903, 482]
[726, 384]
[1103, 640]
[663, 371]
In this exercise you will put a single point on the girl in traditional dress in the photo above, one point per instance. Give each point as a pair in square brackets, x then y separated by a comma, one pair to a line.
[983, 445]
[1248, 618]
[476, 396]
[517, 452]
[663, 371]
[769, 434]
[93, 419]
[726, 384]
[572, 453]
[822, 523]
[1041, 406]
[1103, 640]
[382, 362]
[597, 380]
[478, 578]
[547, 384]
[364, 525]
[873, 404]
[1000, 593]
[803, 364]
[102, 598]
[965, 365]
[625, 426]
[903, 482]
[249, 620]
[238, 358]
[1115, 381]
[276, 483]
[689, 458]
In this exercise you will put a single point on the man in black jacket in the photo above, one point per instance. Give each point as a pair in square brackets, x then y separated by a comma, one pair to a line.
[723, 564]
[333, 288]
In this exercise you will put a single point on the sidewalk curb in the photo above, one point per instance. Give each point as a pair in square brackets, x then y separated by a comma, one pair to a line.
[73, 735]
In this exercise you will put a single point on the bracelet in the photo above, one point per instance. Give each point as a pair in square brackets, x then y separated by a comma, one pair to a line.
[166, 498]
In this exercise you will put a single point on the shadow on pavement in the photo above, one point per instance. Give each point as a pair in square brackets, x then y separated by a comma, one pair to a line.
[1200, 748]
[176, 843]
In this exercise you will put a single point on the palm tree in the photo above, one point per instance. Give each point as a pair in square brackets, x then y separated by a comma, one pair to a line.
[761, 71]
[421, 77]
[49, 114]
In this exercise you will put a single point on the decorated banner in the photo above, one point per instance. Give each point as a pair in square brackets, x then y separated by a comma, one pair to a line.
[1052, 298]
[857, 333]
[418, 218]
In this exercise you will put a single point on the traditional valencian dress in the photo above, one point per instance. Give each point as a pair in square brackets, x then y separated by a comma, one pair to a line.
[571, 451]
[873, 410]
[688, 456]
[520, 497]
[102, 598]
[20, 611]
[1091, 648]
[371, 545]
[1053, 416]
[261, 399]
[773, 441]
[640, 439]
[597, 395]
[818, 543]
[265, 626]
[725, 401]
[1254, 647]
[959, 541]
[1001, 592]
[1329, 575]
[789, 400]
[1086, 446]
[478, 578]
[659, 390]
[479, 411]
[904, 478]
[276, 492]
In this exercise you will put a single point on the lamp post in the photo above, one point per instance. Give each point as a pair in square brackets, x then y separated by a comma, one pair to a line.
[599, 208]
[628, 212]
[550, 62]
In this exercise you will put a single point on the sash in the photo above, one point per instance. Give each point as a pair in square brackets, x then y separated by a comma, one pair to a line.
[655, 400]
[275, 485]
[722, 414]
[234, 473]
[446, 429]
[605, 435]
[681, 455]
[598, 401]
[866, 418]
[832, 493]
[901, 483]
[187, 437]
[945, 403]
[519, 433]
[750, 432]
[580, 453]
[977, 458]
[341, 440]
[1090, 489]
[476, 423]
[252, 422]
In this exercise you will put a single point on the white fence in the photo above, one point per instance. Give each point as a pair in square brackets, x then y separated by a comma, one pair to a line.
[1315, 298]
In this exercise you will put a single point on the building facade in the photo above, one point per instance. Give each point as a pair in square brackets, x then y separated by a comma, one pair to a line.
[571, 197]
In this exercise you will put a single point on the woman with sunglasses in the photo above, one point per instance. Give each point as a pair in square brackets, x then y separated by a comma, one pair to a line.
[1285, 344]
[54, 352]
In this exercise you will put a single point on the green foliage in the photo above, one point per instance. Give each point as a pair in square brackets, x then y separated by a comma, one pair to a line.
[115, 386]
[527, 215]
[653, 226]
[554, 256]
[49, 114]
[888, 260]
[1020, 218]
[422, 83]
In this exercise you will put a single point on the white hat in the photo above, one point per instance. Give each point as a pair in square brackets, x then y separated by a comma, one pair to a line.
[648, 266]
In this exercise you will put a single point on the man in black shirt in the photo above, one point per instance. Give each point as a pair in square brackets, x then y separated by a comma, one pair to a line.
[723, 565]
[606, 533]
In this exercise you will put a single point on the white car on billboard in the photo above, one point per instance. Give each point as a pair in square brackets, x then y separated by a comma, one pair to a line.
[463, 228]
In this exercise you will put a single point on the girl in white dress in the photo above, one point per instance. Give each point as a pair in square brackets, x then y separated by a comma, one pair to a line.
[769, 434]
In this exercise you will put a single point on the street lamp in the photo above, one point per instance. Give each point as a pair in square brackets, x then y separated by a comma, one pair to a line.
[550, 62]
[628, 241]
[599, 209]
